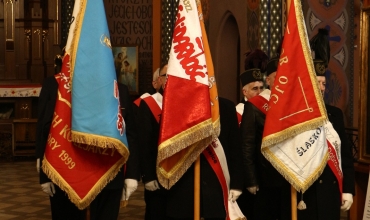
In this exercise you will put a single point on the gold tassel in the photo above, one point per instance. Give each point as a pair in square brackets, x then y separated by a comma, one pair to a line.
[301, 204]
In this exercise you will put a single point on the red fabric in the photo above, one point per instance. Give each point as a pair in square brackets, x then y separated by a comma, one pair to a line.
[186, 127]
[154, 108]
[260, 102]
[75, 169]
[137, 102]
[213, 161]
[239, 116]
[293, 97]
[334, 166]
[187, 104]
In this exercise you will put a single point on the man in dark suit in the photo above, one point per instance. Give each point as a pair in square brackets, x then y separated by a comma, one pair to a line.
[181, 197]
[271, 191]
[61, 207]
[107, 203]
[148, 124]
[323, 199]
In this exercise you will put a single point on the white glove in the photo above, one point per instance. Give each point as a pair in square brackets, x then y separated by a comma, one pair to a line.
[48, 188]
[152, 185]
[129, 187]
[253, 189]
[38, 165]
[347, 200]
[234, 194]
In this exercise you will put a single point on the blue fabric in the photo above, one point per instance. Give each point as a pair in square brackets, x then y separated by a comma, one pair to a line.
[94, 107]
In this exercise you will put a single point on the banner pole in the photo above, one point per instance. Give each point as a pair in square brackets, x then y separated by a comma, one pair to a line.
[197, 189]
[293, 197]
[293, 192]
[87, 217]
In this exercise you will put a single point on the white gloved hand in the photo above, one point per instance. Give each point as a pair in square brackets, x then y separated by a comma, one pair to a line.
[347, 200]
[38, 165]
[48, 188]
[152, 185]
[234, 194]
[129, 187]
[253, 189]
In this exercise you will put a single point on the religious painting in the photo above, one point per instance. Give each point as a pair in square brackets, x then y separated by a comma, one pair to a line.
[126, 64]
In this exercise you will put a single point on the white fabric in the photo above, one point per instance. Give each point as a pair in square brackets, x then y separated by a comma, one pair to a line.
[299, 157]
[152, 185]
[130, 186]
[234, 211]
[240, 108]
[143, 96]
[158, 99]
[192, 33]
[48, 188]
[347, 200]
[217, 147]
[233, 208]
[38, 165]
[234, 194]
[333, 137]
[266, 94]
[18, 91]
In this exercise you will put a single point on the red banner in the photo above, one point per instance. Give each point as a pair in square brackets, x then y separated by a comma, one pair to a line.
[293, 136]
[296, 102]
[80, 170]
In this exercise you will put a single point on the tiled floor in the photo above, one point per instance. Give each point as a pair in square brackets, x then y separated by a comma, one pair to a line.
[22, 199]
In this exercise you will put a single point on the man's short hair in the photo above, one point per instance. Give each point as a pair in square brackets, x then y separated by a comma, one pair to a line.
[156, 74]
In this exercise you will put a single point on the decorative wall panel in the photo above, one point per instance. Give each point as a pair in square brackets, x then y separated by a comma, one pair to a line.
[337, 18]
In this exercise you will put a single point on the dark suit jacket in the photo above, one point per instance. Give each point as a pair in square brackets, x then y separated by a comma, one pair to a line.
[323, 198]
[132, 164]
[258, 170]
[148, 142]
[46, 105]
[181, 196]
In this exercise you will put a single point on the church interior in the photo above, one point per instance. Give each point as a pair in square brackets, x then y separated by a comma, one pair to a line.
[34, 32]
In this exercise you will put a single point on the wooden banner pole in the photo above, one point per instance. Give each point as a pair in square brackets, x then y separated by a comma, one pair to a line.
[293, 192]
[197, 189]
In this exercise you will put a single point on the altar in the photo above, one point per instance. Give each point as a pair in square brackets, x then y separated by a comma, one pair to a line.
[18, 119]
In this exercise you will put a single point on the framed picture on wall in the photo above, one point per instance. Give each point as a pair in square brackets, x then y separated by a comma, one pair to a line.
[126, 63]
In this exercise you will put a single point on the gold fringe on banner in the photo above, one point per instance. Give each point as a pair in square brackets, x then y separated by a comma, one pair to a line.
[76, 37]
[216, 128]
[292, 131]
[100, 141]
[193, 140]
[314, 123]
[289, 176]
[72, 195]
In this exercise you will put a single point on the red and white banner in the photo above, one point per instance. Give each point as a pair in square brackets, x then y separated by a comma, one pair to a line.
[294, 139]
[190, 116]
